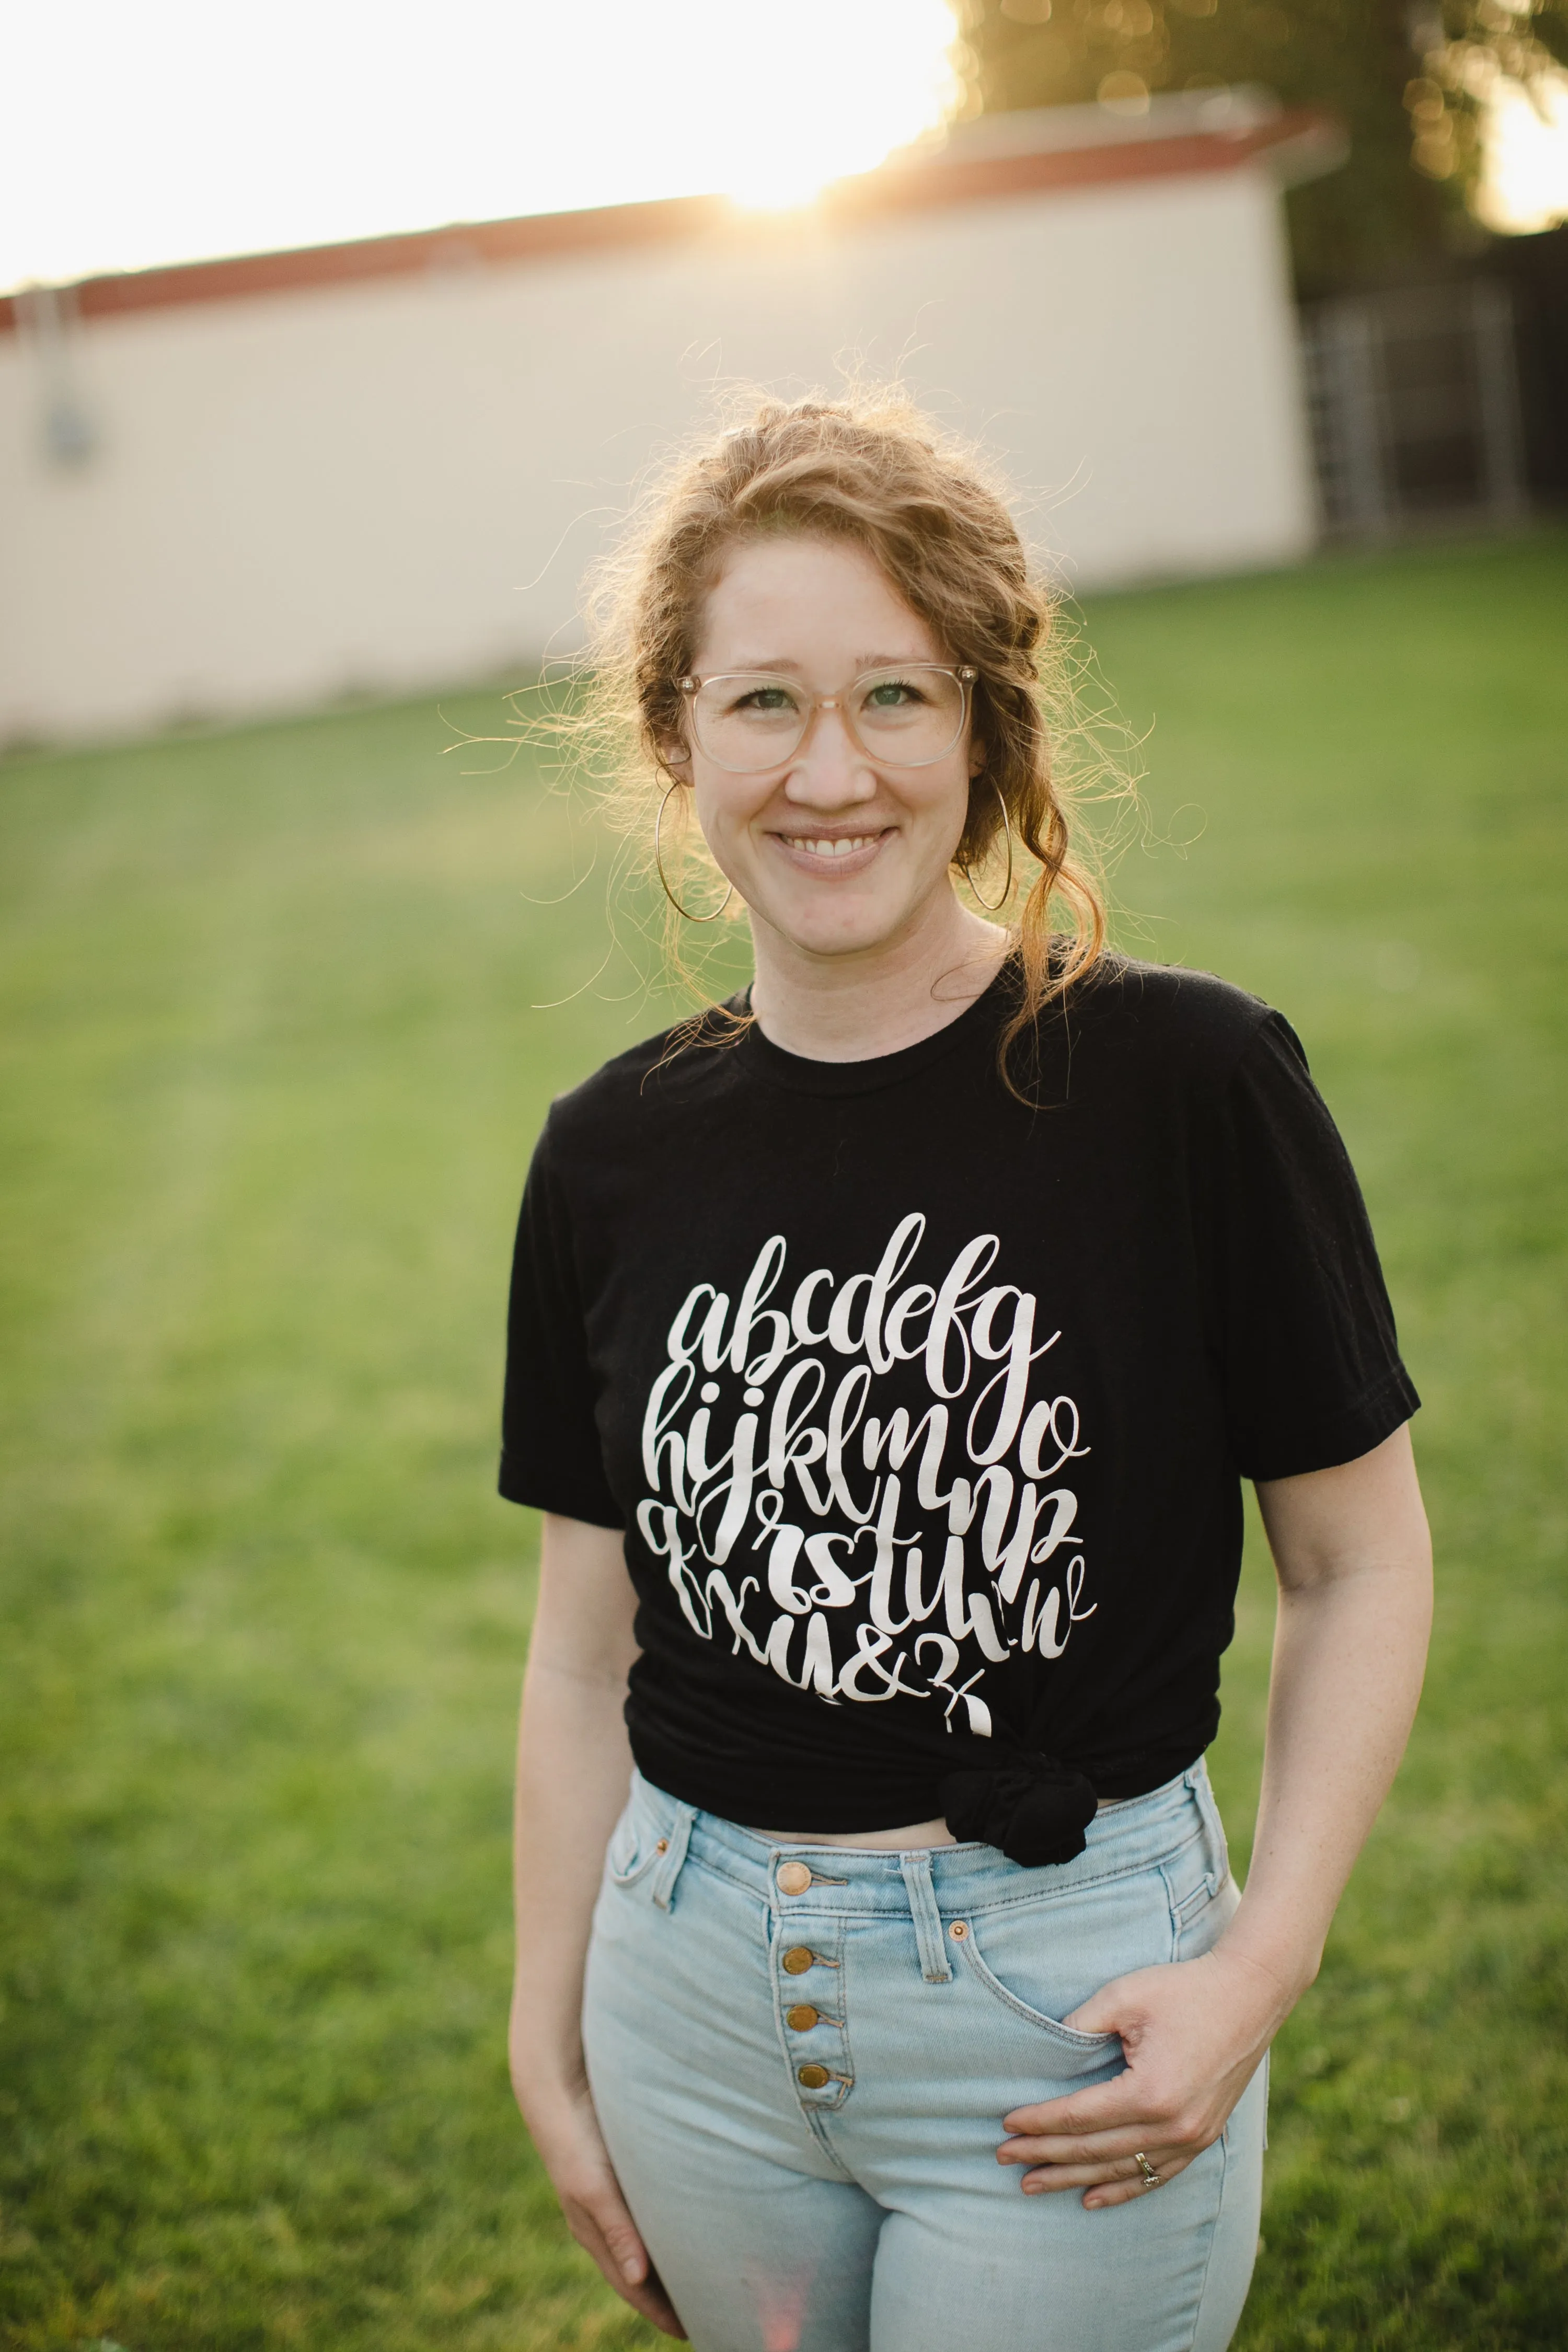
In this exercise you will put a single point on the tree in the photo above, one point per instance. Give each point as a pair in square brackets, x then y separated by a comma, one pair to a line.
[1409, 81]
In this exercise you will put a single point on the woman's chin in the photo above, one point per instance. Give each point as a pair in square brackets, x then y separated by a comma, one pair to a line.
[843, 924]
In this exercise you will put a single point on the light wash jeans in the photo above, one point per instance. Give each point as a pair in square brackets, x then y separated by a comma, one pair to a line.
[803, 2093]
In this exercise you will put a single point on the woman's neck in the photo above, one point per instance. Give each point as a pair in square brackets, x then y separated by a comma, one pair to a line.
[853, 1008]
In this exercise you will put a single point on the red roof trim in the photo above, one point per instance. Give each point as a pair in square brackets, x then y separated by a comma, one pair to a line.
[910, 187]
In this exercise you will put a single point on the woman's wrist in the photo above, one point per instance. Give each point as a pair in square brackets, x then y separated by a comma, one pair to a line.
[1278, 1960]
[552, 2107]
[549, 2074]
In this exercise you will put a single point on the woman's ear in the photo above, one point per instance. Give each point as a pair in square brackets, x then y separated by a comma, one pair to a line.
[978, 755]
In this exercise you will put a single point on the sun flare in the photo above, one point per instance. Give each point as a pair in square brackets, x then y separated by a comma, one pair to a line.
[1524, 182]
[189, 133]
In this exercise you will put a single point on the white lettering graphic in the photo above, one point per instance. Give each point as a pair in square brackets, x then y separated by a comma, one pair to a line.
[862, 1549]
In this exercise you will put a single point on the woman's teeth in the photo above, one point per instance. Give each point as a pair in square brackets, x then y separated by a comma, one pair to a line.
[841, 848]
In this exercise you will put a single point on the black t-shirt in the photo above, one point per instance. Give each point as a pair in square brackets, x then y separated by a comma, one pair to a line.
[924, 1410]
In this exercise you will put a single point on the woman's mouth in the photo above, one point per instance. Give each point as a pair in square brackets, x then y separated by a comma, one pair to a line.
[840, 852]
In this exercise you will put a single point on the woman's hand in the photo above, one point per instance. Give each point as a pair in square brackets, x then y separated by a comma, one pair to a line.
[573, 1767]
[574, 2153]
[1355, 1562]
[1194, 2033]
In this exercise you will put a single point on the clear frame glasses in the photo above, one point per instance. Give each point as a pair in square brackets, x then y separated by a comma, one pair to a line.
[908, 716]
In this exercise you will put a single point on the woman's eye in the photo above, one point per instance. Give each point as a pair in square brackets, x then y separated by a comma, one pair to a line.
[768, 699]
[892, 694]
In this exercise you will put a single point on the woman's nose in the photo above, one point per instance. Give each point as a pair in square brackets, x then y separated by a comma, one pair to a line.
[829, 770]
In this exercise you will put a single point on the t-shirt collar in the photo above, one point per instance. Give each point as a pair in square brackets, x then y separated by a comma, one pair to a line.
[801, 1074]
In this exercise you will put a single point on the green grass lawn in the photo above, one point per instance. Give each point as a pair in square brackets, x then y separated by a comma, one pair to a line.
[272, 1074]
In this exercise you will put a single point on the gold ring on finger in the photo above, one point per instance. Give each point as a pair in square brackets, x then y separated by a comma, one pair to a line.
[1151, 2177]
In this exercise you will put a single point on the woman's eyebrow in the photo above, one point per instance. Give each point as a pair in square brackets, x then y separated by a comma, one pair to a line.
[784, 669]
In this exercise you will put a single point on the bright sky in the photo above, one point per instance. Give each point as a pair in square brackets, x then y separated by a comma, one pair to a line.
[175, 129]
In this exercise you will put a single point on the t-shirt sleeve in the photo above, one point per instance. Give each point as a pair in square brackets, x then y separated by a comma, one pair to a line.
[551, 1454]
[1311, 1363]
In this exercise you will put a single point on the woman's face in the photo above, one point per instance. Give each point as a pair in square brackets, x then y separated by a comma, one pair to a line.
[820, 612]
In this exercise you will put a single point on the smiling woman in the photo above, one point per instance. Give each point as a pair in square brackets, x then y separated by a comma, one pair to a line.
[877, 768]
[822, 717]
[886, 1349]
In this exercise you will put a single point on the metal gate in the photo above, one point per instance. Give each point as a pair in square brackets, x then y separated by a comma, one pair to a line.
[1414, 400]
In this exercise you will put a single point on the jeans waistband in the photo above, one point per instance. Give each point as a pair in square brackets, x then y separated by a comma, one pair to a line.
[1136, 1834]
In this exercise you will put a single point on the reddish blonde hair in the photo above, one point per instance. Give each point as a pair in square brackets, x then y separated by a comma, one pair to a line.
[869, 468]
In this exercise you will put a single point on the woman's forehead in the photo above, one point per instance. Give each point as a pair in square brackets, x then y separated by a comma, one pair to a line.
[788, 603]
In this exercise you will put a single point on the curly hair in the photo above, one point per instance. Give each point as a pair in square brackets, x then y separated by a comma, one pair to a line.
[871, 469]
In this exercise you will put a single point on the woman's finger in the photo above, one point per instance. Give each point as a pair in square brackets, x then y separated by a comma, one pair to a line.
[1106, 2148]
[1164, 2162]
[1103, 2108]
[1108, 2183]
[604, 2228]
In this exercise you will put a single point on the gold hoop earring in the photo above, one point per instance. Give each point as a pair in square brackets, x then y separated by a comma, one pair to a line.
[991, 905]
[658, 861]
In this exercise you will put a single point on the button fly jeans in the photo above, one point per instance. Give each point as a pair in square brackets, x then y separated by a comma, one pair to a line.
[801, 2056]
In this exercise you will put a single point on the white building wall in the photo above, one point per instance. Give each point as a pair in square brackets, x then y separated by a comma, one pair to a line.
[394, 485]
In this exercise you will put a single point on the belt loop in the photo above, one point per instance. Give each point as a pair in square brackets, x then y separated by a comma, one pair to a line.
[674, 1854]
[932, 1945]
[1209, 1814]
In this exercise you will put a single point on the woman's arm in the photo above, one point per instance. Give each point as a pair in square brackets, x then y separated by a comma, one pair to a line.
[573, 1768]
[1354, 1563]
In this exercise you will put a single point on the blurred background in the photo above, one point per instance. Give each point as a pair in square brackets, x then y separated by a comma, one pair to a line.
[333, 346]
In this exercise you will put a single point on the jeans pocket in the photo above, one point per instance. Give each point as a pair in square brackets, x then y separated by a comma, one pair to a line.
[1090, 2049]
[635, 1846]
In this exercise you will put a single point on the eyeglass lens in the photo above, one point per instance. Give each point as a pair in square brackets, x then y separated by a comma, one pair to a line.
[751, 720]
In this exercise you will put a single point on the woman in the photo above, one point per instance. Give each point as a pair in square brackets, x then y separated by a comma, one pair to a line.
[885, 1352]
